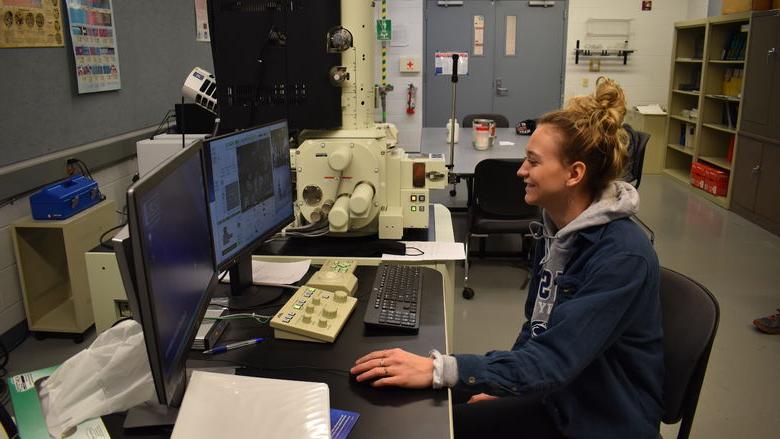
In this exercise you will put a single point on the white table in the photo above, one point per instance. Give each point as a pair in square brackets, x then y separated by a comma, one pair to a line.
[434, 141]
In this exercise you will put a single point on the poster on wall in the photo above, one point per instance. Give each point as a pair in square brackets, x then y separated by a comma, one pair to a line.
[201, 21]
[31, 23]
[93, 37]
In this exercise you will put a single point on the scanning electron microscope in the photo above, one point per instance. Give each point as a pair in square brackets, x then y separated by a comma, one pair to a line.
[356, 180]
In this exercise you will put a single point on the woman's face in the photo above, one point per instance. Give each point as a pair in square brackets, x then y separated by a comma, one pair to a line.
[543, 170]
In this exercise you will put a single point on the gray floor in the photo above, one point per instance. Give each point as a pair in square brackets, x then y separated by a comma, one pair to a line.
[738, 261]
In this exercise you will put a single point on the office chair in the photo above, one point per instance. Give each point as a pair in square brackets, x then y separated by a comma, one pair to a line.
[499, 207]
[637, 146]
[690, 321]
[501, 121]
[7, 424]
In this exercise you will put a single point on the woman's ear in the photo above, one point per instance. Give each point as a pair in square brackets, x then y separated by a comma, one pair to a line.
[576, 174]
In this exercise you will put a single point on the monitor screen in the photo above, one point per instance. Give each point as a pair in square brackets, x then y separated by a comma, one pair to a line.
[249, 186]
[169, 228]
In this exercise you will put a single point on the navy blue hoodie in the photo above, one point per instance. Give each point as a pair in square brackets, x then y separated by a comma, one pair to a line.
[597, 359]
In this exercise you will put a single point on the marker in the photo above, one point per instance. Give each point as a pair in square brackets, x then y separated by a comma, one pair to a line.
[231, 346]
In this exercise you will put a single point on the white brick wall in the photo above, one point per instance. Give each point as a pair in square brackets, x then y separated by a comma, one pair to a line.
[409, 15]
[113, 182]
[645, 78]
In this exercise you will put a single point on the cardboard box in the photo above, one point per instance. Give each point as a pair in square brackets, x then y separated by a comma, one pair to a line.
[716, 181]
[698, 175]
[734, 6]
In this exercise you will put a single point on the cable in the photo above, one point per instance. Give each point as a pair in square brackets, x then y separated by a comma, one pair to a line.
[164, 120]
[259, 318]
[104, 243]
[419, 252]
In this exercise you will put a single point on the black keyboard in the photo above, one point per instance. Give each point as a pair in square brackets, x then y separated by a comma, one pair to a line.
[394, 302]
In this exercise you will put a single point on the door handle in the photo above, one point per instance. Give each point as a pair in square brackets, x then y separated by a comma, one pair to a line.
[756, 170]
[770, 53]
[501, 91]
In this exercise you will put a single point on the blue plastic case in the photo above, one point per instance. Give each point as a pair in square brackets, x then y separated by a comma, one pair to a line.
[65, 198]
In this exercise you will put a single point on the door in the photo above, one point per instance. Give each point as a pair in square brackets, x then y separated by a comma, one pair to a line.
[530, 73]
[519, 82]
[761, 77]
[746, 171]
[767, 196]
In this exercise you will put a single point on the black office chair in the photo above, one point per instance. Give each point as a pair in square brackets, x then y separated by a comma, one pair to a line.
[7, 424]
[637, 146]
[498, 207]
[501, 121]
[690, 321]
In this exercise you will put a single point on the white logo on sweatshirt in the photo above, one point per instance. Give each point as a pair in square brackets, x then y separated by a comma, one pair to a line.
[545, 300]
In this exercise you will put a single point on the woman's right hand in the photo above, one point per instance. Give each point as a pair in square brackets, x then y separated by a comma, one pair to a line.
[481, 397]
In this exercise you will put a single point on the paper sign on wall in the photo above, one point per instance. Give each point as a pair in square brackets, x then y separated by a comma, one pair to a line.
[511, 35]
[93, 37]
[443, 63]
[479, 35]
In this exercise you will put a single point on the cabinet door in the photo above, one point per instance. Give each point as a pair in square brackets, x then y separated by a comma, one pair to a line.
[760, 83]
[747, 166]
[768, 196]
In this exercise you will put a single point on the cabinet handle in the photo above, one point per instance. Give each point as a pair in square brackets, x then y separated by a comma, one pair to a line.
[756, 169]
[770, 53]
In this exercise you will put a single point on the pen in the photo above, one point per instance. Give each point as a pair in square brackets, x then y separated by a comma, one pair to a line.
[231, 346]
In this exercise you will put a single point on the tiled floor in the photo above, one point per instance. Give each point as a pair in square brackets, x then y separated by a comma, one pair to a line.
[738, 261]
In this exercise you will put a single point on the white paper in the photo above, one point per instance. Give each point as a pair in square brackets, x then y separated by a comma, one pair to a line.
[250, 407]
[443, 63]
[400, 36]
[479, 35]
[650, 109]
[511, 32]
[430, 251]
[506, 143]
[281, 273]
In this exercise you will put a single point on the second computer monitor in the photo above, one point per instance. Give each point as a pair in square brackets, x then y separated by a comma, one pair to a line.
[249, 186]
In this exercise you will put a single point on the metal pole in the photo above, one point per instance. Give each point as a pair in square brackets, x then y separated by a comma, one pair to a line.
[451, 165]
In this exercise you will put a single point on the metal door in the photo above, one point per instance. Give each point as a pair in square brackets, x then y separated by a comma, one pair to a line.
[529, 83]
[529, 76]
[451, 28]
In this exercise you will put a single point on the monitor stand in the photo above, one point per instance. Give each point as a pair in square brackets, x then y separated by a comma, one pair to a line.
[243, 294]
[150, 415]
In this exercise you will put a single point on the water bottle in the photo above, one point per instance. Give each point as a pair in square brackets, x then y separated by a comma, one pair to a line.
[449, 127]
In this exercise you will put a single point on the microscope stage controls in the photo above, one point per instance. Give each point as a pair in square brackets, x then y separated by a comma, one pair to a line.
[313, 314]
[336, 275]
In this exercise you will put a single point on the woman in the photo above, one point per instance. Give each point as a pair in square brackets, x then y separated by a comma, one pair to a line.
[589, 360]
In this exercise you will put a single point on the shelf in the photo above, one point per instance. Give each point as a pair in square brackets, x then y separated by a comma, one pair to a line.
[683, 118]
[683, 176]
[62, 318]
[684, 92]
[681, 148]
[724, 98]
[720, 162]
[727, 61]
[688, 60]
[720, 127]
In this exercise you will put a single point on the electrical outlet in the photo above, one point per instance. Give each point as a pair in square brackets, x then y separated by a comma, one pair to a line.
[585, 82]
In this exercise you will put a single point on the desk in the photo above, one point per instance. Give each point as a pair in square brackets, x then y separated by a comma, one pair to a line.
[389, 412]
[466, 156]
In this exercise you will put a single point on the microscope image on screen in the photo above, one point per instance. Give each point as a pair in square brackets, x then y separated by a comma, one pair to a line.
[254, 173]
[281, 147]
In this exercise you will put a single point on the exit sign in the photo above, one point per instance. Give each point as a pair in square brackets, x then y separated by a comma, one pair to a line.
[384, 30]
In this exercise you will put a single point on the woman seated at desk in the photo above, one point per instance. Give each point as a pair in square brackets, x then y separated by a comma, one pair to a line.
[589, 360]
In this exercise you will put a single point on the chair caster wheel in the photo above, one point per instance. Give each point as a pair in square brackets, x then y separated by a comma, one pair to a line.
[468, 293]
[78, 339]
[453, 192]
[39, 336]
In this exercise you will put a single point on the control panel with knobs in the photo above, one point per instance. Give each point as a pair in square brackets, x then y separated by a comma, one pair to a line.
[313, 314]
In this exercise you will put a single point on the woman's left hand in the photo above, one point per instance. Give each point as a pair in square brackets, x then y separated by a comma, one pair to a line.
[395, 367]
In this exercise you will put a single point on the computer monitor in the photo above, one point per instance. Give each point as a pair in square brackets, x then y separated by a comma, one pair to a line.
[173, 271]
[250, 197]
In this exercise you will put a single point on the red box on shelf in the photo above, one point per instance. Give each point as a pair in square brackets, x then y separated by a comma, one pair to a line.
[716, 181]
[698, 175]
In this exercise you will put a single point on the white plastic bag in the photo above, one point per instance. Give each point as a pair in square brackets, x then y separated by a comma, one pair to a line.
[109, 376]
